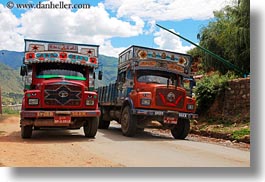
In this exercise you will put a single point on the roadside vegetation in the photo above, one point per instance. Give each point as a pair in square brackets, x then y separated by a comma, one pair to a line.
[229, 130]
[210, 87]
[227, 35]
[10, 111]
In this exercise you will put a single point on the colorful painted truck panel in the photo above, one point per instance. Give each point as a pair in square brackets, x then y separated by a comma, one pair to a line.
[153, 90]
[59, 87]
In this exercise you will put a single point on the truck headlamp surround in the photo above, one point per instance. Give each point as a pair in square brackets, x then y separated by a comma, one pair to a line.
[146, 102]
[90, 102]
[190, 106]
[33, 102]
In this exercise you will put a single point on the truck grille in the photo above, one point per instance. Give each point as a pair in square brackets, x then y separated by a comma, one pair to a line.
[170, 98]
[62, 95]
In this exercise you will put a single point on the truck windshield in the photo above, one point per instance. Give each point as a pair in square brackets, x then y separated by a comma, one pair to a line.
[59, 70]
[157, 77]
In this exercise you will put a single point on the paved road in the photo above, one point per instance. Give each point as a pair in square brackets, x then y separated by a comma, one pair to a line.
[147, 149]
[111, 148]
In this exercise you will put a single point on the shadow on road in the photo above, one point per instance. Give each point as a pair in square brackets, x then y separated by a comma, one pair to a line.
[114, 133]
[48, 136]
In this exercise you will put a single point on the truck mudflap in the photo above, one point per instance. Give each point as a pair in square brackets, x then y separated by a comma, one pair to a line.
[49, 114]
[164, 113]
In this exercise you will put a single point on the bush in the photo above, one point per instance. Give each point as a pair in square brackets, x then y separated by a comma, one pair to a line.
[7, 110]
[209, 88]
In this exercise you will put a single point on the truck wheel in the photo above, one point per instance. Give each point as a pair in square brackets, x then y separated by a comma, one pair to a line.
[128, 122]
[102, 123]
[182, 129]
[26, 131]
[91, 127]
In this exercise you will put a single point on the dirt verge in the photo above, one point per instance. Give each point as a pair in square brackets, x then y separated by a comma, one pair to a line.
[235, 132]
[64, 151]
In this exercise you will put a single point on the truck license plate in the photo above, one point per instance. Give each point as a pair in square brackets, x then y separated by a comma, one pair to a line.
[170, 120]
[62, 119]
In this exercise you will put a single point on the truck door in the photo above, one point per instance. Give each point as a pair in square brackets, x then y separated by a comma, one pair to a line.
[125, 84]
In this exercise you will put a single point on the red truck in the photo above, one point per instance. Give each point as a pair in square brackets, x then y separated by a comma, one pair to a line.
[153, 90]
[59, 87]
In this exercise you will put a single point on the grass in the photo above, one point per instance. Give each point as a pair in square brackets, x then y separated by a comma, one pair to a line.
[239, 134]
[10, 111]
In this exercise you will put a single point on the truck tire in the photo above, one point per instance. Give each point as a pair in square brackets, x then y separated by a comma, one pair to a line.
[102, 123]
[128, 122]
[90, 127]
[26, 131]
[182, 129]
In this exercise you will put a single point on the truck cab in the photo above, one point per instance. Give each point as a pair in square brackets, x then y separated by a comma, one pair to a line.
[59, 87]
[153, 90]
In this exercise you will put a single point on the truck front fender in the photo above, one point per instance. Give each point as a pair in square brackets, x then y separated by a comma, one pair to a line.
[127, 101]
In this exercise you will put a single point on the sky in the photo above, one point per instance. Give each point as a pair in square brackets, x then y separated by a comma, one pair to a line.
[114, 25]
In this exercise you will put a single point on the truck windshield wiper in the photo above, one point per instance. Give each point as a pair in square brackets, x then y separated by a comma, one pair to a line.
[61, 76]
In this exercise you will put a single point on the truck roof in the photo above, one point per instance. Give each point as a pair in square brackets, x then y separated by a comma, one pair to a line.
[155, 59]
[40, 51]
[47, 41]
[154, 49]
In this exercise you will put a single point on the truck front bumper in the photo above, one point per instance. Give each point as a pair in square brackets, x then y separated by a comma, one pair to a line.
[50, 118]
[50, 114]
[148, 112]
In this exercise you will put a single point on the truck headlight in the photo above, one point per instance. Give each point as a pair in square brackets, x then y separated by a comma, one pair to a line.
[190, 106]
[33, 102]
[90, 102]
[145, 102]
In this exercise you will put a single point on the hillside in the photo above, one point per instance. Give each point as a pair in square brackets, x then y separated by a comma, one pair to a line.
[10, 80]
[11, 84]
[11, 58]
[109, 68]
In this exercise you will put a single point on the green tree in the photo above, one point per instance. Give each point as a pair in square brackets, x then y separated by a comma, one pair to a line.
[228, 36]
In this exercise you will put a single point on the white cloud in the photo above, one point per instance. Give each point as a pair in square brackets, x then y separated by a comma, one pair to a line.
[170, 42]
[109, 50]
[92, 26]
[150, 27]
[97, 26]
[167, 9]
[9, 39]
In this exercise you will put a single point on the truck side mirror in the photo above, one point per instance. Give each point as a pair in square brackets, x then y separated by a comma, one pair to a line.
[193, 84]
[100, 75]
[23, 70]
